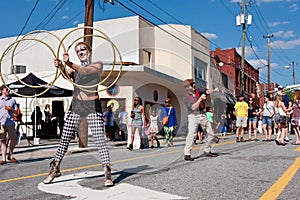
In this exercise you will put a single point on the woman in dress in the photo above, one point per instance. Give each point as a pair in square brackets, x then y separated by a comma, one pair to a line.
[138, 120]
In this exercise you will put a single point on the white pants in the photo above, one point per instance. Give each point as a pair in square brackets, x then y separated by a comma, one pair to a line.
[193, 122]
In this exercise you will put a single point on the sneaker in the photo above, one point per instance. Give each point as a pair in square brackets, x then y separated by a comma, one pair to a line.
[242, 140]
[188, 158]
[13, 160]
[2, 162]
[130, 147]
[237, 140]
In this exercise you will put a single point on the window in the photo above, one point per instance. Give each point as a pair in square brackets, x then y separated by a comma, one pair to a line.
[18, 69]
[225, 80]
[146, 57]
[200, 69]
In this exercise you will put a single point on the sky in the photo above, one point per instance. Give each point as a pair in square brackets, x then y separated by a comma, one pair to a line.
[215, 19]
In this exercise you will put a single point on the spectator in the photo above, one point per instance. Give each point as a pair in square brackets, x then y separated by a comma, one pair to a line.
[47, 113]
[138, 121]
[123, 121]
[153, 129]
[281, 109]
[268, 112]
[288, 105]
[241, 112]
[37, 116]
[253, 113]
[296, 117]
[169, 111]
[222, 126]
[109, 123]
[8, 107]
[199, 135]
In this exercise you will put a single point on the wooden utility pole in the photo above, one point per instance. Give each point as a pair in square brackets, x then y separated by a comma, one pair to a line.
[269, 64]
[243, 51]
[88, 21]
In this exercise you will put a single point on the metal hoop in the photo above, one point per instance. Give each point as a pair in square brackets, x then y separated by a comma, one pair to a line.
[24, 38]
[32, 86]
[114, 62]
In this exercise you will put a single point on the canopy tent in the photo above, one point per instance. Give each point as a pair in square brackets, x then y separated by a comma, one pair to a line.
[19, 89]
[31, 79]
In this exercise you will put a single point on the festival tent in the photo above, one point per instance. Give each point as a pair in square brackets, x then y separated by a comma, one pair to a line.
[39, 86]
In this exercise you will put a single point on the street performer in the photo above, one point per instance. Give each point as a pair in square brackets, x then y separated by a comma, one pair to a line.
[84, 104]
[195, 103]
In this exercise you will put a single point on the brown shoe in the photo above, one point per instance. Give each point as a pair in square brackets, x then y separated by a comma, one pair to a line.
[210, 154]
[188, 158]
[2, 162]
[54, 172]
[107, 181]
[13, 160]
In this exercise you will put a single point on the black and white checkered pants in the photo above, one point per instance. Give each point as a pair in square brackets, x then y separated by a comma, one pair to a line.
[95, 122]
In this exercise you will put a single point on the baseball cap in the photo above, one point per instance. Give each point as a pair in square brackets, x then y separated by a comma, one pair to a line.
[187, 82]
[280, 87]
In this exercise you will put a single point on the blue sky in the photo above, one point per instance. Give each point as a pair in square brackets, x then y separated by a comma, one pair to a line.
[215, 19]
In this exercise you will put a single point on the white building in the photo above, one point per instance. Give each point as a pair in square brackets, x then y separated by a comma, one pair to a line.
[157, 60]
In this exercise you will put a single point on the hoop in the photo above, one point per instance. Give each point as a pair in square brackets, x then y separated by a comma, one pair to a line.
[32, 86]
[82, 87]
[24, 38]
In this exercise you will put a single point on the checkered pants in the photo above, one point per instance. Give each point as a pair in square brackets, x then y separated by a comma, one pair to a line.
[95, 122]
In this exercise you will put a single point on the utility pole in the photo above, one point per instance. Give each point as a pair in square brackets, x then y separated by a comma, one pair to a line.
[293, 72]
[241, 20]
[243, 51]
[269, 64]
[88, 21]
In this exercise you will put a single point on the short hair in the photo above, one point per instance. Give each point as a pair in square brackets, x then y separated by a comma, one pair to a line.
[83, 43]
[3, 87]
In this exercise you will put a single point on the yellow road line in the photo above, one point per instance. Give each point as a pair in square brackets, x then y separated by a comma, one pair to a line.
[276, 189]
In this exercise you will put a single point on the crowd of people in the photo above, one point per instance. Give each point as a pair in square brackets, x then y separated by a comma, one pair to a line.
[276, 117]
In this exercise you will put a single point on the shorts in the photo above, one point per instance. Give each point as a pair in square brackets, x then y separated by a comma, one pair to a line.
[283, 121]
[241, 121]
[223, 129]
[253, 119]
[10, 131]
[266, 120]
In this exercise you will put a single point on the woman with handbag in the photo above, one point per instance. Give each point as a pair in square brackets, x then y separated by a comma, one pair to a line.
[169, 121]
[138, 120]
[283, 122]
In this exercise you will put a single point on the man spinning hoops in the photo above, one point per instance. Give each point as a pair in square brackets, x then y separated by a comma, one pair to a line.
[84, 104]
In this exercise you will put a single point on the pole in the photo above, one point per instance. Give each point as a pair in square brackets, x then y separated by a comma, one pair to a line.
[243, 51]
[88, 21]
[293, 72]
[269, 64]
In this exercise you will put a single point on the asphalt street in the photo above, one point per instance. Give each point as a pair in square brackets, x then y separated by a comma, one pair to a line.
[250, 170]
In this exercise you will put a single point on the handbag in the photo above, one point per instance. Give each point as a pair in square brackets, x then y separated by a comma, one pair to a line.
[165, 119]
[132, 114]
[277, 117]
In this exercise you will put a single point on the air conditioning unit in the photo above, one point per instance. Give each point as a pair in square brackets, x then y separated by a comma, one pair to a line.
[18, 69]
